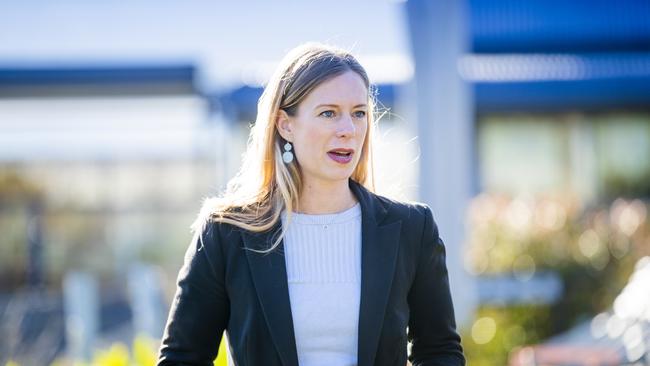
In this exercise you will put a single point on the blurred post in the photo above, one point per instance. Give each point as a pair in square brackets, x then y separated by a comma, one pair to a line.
[222, 132]
[81, 311]
[35, 245]
[146, 302]
[445, 131]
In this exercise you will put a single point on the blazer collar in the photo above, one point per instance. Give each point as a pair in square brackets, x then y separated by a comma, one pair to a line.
[379, 244]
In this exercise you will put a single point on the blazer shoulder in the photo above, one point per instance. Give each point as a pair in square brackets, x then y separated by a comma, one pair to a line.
[403, 209]
[207, 219]
[214, 235]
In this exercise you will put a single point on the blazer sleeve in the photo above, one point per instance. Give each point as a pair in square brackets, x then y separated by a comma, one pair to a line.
[432, 326]
[200, 309]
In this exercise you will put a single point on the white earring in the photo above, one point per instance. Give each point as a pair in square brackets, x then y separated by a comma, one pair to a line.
[287, 155]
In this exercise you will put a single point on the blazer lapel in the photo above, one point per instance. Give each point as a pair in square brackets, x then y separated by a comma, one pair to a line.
[270, 277]
[379, 244]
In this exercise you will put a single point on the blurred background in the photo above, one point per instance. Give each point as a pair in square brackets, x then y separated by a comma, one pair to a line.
[525, 126]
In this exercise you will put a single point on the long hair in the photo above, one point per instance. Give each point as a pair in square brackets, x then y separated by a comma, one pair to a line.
[265, 186]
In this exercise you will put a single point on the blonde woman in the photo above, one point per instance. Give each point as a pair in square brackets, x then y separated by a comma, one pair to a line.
[299, 262]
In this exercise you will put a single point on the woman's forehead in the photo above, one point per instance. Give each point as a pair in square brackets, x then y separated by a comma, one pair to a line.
[347, 89]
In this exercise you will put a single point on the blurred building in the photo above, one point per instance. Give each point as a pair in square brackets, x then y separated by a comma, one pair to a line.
[116, 153]
[529, 98]
[563, 96]
[101, 168]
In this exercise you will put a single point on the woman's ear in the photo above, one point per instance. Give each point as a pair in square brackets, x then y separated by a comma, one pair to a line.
[284, 125]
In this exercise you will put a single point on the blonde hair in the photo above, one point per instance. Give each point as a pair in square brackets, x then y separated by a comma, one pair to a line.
[265, 186]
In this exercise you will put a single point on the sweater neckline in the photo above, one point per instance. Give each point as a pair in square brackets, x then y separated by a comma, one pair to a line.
[325, 219]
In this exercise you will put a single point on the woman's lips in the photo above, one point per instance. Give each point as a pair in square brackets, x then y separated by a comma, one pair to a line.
[341, 159]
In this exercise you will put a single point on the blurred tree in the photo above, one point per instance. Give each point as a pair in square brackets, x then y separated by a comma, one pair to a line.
[593, 250]
[20, 216]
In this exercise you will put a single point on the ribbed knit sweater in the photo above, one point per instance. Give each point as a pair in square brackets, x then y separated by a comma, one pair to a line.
[323, 260]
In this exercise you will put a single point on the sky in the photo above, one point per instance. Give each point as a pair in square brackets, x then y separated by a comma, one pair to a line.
[230, 41]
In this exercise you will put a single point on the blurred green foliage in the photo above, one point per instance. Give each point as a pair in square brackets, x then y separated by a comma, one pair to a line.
[143, 352]
[514, 326]
[16, 195]
[592, 249]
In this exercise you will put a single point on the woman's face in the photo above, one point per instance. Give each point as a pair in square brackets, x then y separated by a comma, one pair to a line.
[329, 129]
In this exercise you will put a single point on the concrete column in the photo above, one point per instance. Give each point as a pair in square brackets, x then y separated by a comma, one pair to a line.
[444, 105]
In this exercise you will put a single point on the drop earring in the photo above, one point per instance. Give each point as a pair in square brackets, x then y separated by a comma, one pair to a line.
[287, 155]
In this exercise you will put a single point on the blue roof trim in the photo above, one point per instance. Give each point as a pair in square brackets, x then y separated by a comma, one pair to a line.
[499, 26]
[548, 96]
[18, 76]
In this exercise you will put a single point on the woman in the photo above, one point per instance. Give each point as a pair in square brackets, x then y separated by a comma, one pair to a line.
[298, 261]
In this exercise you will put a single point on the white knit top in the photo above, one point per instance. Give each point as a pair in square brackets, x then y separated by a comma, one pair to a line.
[323, 259]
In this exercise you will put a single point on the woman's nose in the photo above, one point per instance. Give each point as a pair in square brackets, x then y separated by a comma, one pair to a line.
[345, 127]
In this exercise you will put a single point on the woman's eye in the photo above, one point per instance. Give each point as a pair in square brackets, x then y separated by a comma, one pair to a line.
[360, 114]
[327, 114]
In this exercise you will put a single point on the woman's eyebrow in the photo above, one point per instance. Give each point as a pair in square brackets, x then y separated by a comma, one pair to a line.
[336, 105]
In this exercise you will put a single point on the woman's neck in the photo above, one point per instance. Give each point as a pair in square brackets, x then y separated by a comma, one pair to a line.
[320, 199]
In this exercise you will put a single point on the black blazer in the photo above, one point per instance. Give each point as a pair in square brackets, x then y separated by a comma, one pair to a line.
[404, 283]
